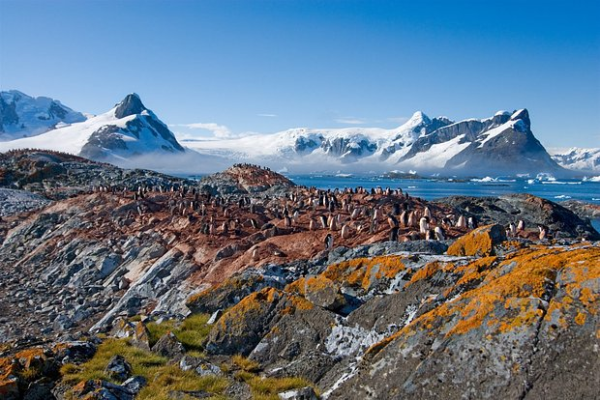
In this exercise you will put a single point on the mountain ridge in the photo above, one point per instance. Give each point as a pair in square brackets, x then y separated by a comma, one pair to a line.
[22, 115]
[126, 131]
[503, 143]
[131, 134]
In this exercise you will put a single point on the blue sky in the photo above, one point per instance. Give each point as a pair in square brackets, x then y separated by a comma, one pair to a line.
[264, 66]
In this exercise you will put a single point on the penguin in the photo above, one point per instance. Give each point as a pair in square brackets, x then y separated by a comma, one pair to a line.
[439, 233]
[392, 221]
[411, 219]
[520, 225]
[429, 235]
[461, 223]
[396, 209]
[312, 225]
[512, 229]
[394, 234]
[345, 231]
[333, 225]
[376, 215]
[328, 242]
[404, 219]
[543, 232]
[423, 225]
[427, 213]
[323, 221]
[472, 223]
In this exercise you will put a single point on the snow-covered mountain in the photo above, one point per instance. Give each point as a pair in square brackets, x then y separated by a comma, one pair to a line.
[127, 131]
[22, 115]
[579, 159]
[502, 144]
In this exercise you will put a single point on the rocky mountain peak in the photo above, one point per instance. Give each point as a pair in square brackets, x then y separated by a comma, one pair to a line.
[130, 105]
[522, 115]
[419, 118]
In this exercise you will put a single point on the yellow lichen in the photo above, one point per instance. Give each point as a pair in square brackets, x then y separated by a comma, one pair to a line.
[580, 318]
[475, 243]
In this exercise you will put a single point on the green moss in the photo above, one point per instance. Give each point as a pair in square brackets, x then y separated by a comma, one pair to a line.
[191, 332]
[269, 388]
[143, 362]
[162, 378]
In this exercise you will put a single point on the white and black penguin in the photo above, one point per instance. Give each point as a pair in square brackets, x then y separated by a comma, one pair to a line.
[423, 225]
[328, 241]
[345, 231]
[472, 223]
[512, 230]
[394, 234]
[439, 233]
[543, 232]
[323, 220]
[427, 213]
[429, 235]
[392, 221]
[404, 219]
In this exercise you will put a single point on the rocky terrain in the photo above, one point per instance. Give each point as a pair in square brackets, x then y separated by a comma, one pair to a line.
[58, 175]
[139, 285]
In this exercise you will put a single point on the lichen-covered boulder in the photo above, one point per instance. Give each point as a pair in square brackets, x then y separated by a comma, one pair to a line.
[479, 242]
[244, 325]
[523, 326]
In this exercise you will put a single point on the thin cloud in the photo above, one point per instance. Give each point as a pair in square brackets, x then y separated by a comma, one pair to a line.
[218, 131]
[267, 115]
[400, 120]
[350, 121]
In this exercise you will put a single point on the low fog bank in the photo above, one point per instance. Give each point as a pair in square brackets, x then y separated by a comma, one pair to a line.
[195, 163]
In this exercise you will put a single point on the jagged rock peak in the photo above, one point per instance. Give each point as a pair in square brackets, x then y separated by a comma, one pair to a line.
[522, 115]
[130, 105]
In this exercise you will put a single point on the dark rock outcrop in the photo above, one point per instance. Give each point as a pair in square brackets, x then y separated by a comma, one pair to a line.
[531, 209]
[246, 179]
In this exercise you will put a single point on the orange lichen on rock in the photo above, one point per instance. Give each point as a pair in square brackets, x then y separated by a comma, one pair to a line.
[318, 282]
[425, 273]
[510, 295]
[364, 272]
[236, 282]
[22, 367]
[298, 287]
[479, 242]
[475, 271]
[580, 318]
[258, 303]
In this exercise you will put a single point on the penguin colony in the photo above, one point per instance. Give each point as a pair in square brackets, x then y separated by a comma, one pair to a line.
[339, 217]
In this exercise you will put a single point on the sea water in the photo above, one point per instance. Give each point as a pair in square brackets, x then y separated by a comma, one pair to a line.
[430, 189]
